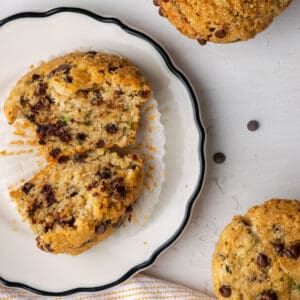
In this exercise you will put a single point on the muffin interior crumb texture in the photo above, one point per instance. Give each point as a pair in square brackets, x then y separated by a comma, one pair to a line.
[82, 109]
[81, 101]
[73, 204]
[258, 254]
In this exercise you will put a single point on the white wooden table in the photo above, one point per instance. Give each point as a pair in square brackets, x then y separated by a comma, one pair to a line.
[259, 80]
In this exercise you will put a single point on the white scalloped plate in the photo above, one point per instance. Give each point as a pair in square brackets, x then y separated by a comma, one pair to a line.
[30, 37]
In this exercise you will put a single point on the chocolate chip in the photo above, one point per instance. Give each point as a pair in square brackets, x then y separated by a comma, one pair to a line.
[49, 194]
[31, 118]
[120, 192]
[201, 41]
[129, 218]
[63, 159]
[156, 2]
[278, 247]
[65, 137]
[253, 125]
[42, 142]
[225, 291]
[47, 189]
[43, 103]
[92, 53]
[145, 93]
[100, 144]
[220, 34]
[116, 182]
[111, 128]
[100, 229]
[33, 208]
[293, 251]
[219, 157]
[63, 68]
[129, 209]
[79, 158]
[41, 89]
[268, 295]
[67, 78]
[56, 129]
[228, 269]
[64, 223]
[245, 222]
[73, 194]
[105, 173]
[212, 29]
[48, 227]
[23, 100]
[27, 187]
[119, 92]
[43, 130]
[35, 77]
[55, 152]
[97, 98]
[46, 102]
[93, 185]
[81, 136]
[161, 12]
[112, 69]
[262, 260]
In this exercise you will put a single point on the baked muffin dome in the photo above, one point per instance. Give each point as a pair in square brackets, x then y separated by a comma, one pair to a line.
[221, 21]
[258, 254]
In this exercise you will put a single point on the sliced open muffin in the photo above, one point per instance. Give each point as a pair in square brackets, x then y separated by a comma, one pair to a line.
[78, 201]
[80, 101]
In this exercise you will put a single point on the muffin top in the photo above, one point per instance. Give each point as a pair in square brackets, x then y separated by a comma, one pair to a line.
[258, 254]
[221, 21]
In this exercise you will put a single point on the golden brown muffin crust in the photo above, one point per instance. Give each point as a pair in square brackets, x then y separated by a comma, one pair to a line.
[258, 254]
[221, 21]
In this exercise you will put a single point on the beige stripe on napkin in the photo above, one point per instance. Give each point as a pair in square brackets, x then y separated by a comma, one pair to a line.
[139, 287]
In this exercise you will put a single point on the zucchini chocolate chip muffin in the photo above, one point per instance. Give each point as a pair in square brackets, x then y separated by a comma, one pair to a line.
[81, 101]
[221, 21]
[257, 256]
[80, 200]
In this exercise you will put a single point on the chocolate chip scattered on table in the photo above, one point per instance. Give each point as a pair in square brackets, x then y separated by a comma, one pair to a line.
[253, 125]
[219, 157]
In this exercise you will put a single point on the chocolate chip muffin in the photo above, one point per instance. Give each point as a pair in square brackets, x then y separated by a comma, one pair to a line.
[221, 21]
[80, 200]
[80, 101]
[258, 254]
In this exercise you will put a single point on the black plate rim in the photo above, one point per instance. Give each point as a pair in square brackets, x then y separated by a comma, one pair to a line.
[201, 147]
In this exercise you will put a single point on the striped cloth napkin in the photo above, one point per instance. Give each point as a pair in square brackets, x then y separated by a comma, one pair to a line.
[139, 287]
